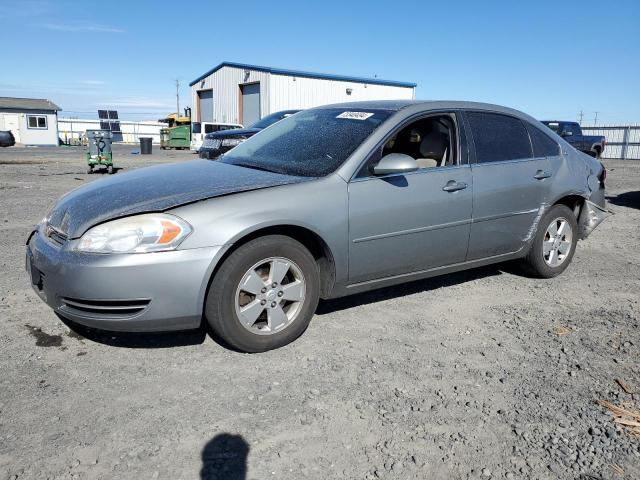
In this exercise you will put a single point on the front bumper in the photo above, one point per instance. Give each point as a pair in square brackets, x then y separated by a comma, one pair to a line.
[126, 292]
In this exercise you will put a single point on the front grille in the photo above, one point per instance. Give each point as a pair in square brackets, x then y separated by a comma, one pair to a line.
[105, 308]
[212, 143]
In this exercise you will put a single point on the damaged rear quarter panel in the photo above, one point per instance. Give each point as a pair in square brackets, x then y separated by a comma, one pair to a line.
[577, 174]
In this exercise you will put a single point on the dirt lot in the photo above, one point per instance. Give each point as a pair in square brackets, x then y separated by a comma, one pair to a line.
[482, 374]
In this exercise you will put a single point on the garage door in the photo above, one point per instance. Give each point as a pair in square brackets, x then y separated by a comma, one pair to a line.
[205, 107]
[250, 104]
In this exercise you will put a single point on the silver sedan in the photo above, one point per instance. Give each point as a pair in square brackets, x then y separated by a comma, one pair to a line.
[328, 202]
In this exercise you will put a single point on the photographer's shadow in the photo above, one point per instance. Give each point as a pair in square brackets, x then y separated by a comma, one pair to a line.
[225, 457]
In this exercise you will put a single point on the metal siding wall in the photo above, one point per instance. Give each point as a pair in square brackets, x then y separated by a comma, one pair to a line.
[224, 84]
[281, 92]
[301, 92]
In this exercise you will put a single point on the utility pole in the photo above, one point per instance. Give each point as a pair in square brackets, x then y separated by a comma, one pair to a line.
[595, 120]
[581, 115]
[177, 98]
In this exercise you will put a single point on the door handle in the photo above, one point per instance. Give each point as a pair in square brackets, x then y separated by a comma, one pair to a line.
[541, 174]
[453, 186]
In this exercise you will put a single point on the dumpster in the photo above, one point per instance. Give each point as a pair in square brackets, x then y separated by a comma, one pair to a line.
[146, 145]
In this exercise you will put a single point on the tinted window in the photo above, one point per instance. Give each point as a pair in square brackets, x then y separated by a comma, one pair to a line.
[313, 143]
[543, 145]
[498, 137]
[210, 128]
[196, 127]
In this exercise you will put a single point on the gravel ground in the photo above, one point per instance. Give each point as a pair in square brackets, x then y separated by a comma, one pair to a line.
[480, 374]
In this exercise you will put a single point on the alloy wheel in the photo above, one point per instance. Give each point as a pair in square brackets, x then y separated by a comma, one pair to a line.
[557, 242]
[270, 296]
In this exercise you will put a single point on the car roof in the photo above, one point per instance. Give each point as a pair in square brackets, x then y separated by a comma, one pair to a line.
[396, 105]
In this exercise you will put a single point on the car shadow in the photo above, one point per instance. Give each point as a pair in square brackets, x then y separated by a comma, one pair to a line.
[626, 199]
[180, 338]
[418, 286]
[225, 456]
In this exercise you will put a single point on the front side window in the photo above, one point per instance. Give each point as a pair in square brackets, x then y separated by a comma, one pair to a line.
[312, 143]
[430, 141]
[543, 145]
[37, 121]
[498, 137]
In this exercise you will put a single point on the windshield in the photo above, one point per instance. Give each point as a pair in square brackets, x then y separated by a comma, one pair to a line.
[271, 119]
[312, 143]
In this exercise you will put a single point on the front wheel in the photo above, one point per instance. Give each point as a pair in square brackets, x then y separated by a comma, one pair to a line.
[554, 244]
[264, 294]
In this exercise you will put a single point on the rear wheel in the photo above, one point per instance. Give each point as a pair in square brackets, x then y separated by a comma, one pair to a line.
[555, 243]
[264, 294]
[110, 169]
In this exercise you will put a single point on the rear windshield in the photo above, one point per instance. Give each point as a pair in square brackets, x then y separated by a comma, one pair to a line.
[555, 126]
[312, 143]
[196, 127]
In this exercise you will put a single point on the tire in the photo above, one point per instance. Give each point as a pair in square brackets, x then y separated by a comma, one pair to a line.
[90, 169]
[110, 169]
[230, 309]
[547, 257]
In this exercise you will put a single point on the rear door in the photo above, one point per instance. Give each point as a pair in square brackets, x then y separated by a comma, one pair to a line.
[510, 184]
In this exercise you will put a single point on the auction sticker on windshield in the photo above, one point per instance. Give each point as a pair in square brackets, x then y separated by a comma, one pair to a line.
[355, 115]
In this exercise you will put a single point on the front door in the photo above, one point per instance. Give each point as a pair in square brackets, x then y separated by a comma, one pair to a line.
[509, 185]
[12, 122]
[408, 223]
[405, 223]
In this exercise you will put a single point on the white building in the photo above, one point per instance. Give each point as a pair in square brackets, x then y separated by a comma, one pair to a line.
[32, 121]
[239, 93]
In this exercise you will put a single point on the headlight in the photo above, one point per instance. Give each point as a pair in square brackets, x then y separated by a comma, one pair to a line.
[232, 142]
[151, 232]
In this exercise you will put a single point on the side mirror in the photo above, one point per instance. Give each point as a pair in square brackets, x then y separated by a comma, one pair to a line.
[566, 133]
[395, 163]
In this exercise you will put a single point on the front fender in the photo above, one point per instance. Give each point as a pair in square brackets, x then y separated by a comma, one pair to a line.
[320, 206]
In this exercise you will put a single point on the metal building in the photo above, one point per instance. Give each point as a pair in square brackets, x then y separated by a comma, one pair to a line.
[240, 93]
[33, 121]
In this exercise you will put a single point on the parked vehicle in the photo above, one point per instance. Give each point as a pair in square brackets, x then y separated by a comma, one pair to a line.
[331, 201]
[7, 139]
[215, 144]
[572, 133]
[200, 129]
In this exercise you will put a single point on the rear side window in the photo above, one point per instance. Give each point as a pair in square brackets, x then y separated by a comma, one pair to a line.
[498, 138]
[543, 145]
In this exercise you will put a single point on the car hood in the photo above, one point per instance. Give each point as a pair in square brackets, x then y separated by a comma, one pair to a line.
[155, 189]
[237, 132]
